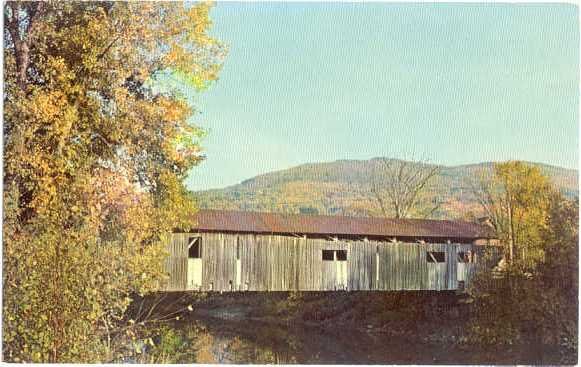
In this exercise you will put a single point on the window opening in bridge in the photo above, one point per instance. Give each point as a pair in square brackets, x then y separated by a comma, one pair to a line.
[466, 257]
[237, 248]
[435, 256]
[195, 248]
[328, 255]
[332, 255]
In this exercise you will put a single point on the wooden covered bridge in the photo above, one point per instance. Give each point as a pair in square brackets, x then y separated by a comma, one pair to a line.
[250, 251]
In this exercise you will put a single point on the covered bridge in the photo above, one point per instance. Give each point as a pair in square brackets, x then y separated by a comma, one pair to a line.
[250, 251]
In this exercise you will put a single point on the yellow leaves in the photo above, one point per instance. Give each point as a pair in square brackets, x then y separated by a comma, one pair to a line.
[96, 158]
[176, 55]
[173, 111]
[192, 54]
[57, 70]
[522, 200]
[47, 107]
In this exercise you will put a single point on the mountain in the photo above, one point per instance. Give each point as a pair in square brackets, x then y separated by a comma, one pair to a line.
[342, 188]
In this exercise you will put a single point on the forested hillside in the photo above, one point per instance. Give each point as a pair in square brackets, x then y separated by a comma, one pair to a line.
[343, 188]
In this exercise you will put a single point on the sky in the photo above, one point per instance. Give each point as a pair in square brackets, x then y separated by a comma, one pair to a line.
[454, 83]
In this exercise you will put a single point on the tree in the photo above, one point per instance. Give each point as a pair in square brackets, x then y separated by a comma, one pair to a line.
[535, 301]
[561, 266]
[516, 199]
[537, 308]
[397, 186]
[95, 154]
[559, 272]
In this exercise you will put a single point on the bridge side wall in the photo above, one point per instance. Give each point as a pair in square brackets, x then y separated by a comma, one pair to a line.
[176, 263]
[254, 262]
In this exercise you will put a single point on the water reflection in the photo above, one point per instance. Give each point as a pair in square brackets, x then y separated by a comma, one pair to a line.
[267, 343]
[225, 330]
[256, 342]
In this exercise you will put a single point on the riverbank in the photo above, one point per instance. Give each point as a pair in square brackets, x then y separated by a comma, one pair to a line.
[339, 328]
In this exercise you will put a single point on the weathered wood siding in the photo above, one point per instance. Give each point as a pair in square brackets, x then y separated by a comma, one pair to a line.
[285, 263]
[177, 262]
[361, 265]
[404, 266]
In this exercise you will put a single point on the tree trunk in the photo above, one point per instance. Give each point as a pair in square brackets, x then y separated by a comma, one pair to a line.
[21, 53]
[21, 32]
[511, 239]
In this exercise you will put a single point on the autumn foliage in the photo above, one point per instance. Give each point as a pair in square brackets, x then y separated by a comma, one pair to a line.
[532, 298]
[94, 158]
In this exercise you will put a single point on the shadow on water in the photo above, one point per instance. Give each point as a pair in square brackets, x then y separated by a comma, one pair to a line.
[254, 341]
[264, 342]
[252, 330]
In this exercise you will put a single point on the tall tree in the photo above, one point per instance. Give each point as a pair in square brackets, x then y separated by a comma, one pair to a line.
[516, 197]
[536, 301]
[398, 185]
[94, 159]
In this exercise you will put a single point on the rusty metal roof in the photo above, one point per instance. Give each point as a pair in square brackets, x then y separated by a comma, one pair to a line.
[275, 223]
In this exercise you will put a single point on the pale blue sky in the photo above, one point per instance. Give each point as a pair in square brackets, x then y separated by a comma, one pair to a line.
[460, 83]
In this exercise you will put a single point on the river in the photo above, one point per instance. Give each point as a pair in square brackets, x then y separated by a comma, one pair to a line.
[232, 336]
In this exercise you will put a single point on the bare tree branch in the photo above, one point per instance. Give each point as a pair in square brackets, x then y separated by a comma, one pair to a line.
[396, 185]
